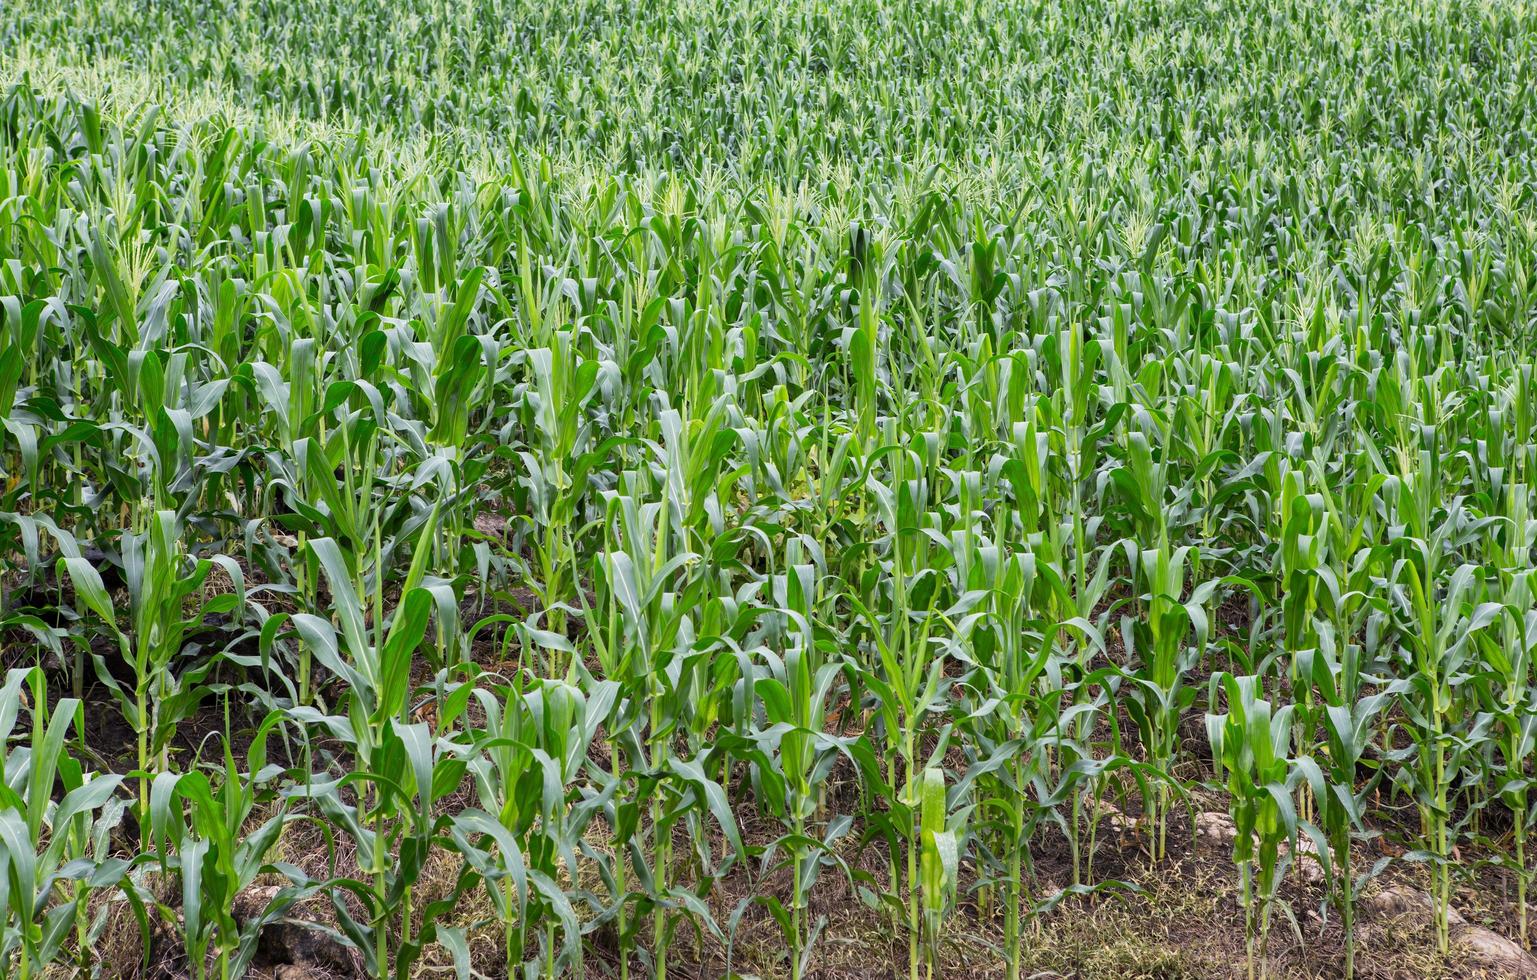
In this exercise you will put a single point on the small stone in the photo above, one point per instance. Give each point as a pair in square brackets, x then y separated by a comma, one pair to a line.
[1493, 952]
[1488, 952]
[1215, 827]
[291, 942]
[1115, 817]
[1401, 900]
[491, 525]
[1308, 863]
[252, 902]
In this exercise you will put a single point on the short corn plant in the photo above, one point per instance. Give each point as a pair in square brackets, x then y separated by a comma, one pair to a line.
[166, 603]
[50, 854]
[1505, 680]
[1440, 638]
[532, 747]
[202, 834]
[1167, 643]
[1251, 745]
[1348, 719]
[795, 700]
[942, 831]
[388, 803]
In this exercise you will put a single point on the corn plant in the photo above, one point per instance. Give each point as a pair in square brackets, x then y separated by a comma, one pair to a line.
[402, 771]
[795, 699]
[161, 586]
[1348, 719]
[1506, 686]
[942, 839]
[531, 749]
[1251, 745]
[1014, 726]
[1439, 638]
[909, 683]
[1167, 643]
[201, 836]
[50, 849]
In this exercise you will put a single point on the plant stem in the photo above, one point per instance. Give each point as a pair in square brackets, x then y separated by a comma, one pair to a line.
[659, 849]
[1246, 892]
[1521, 913]
[619, 876]
[381, 927]
[1073, 838]
[1011, 925]
[912, 857]
[795, 913]
[140, 696]
[510, 927]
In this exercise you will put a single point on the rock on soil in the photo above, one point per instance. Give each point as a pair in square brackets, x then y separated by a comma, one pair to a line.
[1401, 900]
[1118, 820]
[1486, 950]
[491, 525]
[1217, 829]
[303, 953]
[1495, 953]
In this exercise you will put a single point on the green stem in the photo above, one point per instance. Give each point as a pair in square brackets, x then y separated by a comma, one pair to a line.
[1011, 925]
[1521, 875]
[140, 697]
[381, 927]
[1073, 837]
[301, 567]
[1163, 814]
[405, 915]
[659, 848]
[912, 859]
[892, 861]
[1443, 870]
[1247, 893]
[619, 876]
[510, 931]
[81, 925]
[1348, 910]
[795, 912]
[1267, 894]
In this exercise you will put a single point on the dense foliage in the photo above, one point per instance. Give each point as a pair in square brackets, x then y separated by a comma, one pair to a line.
[561, 436]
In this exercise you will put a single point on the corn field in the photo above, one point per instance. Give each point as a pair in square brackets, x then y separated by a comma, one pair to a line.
[559, 490]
